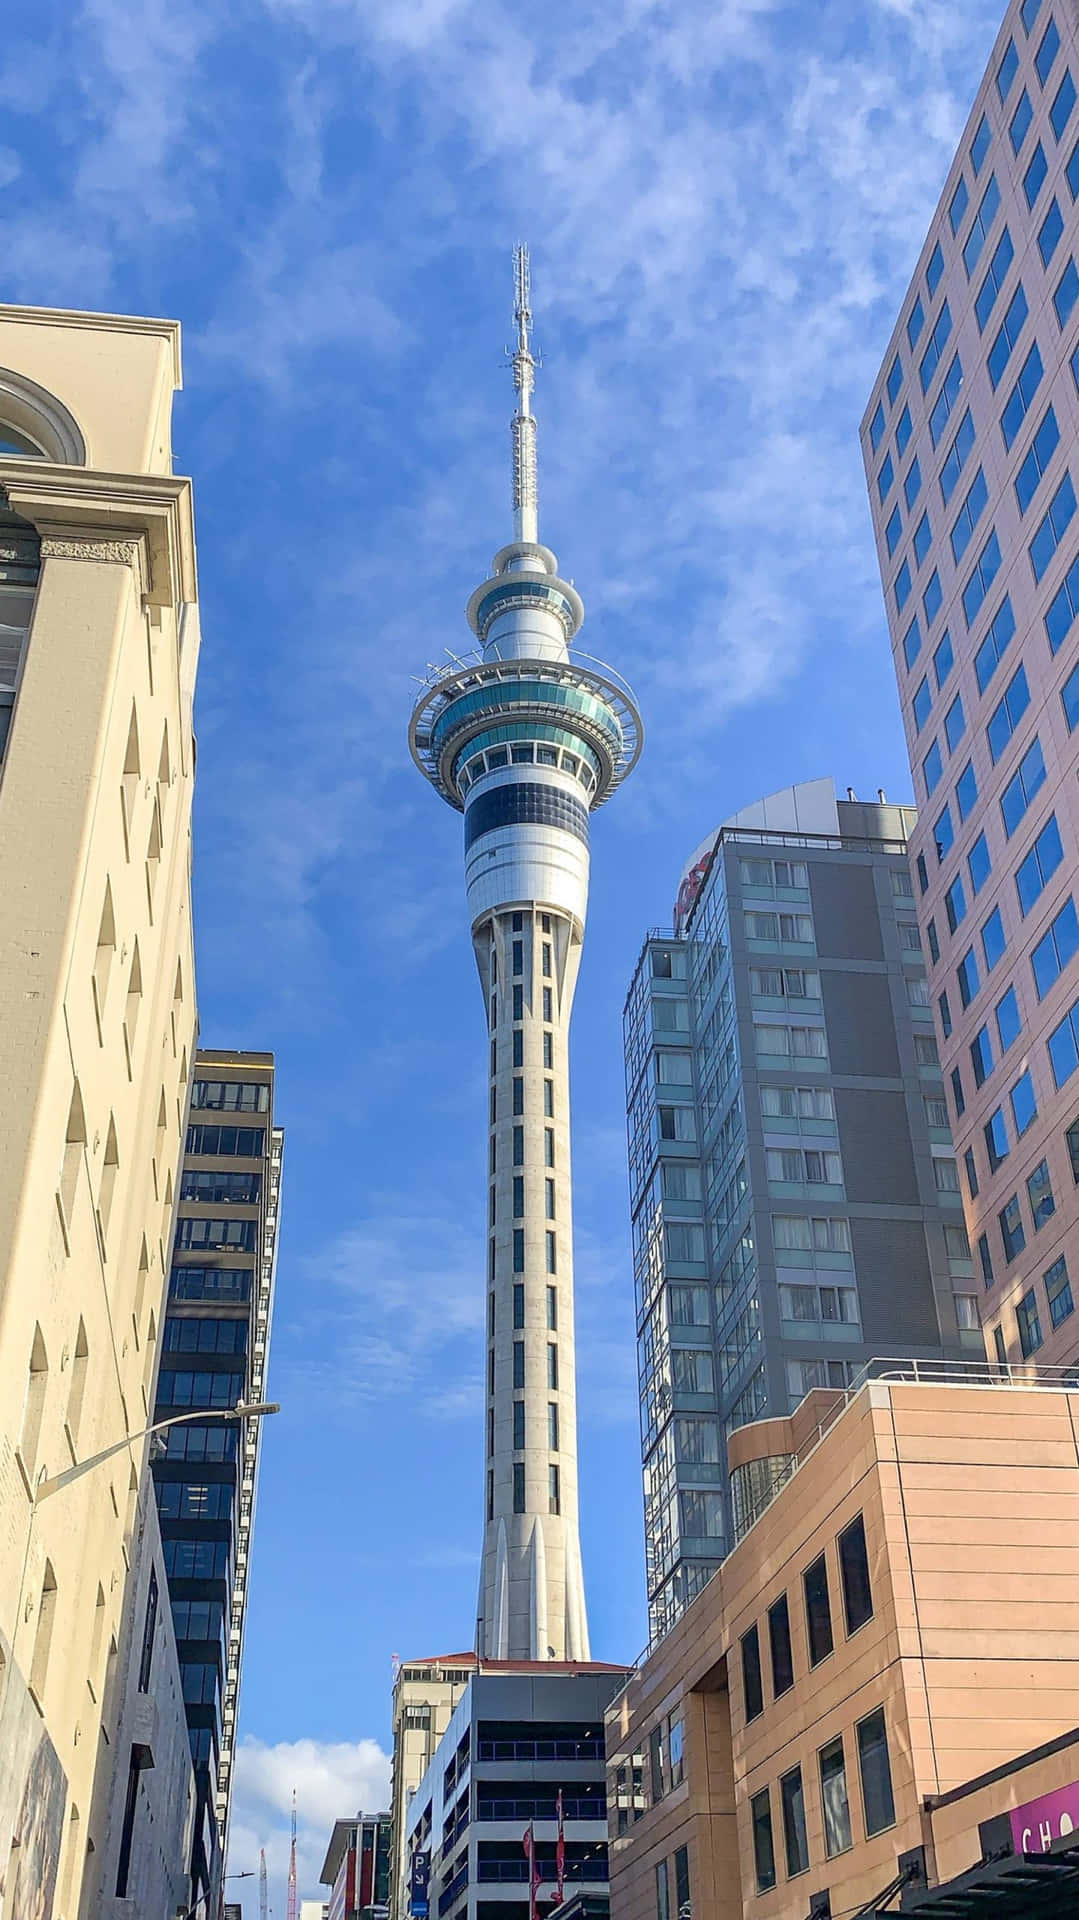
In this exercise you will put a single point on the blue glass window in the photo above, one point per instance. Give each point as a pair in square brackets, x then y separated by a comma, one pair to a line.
[1039, 1192]
[1014, 1239]
[1052, 529]
[979, 865]
[1008, 1022]
[1021, 395]
[912, 644]
[993, 941]
[969, 514]
[958, 206]
[902, 586]
[1027, 780]
[893, 531]
[1050, 231]
[1021, 119]
[934, 270]
[955, 904]
[997, 1144]
[956, 456]
[1003, 255]
[885, 477]
[931, 358]
[993, 647]
[1062, 608]
[979, 146]
[1071, 174]
[981, 579]
[1058, 947]
[1006, 717]
[1039, 866]
[955, 723]
[946, 399]
[943, 657]
[1024, 1105]
[1061, 110]
[932, 768]
[1047, 52]
[966, 790]
[1029, 12]
[1042, 448]
[983, 220]
[967, 975]
[916, 322]
[903, 431]
[1066, 295]
[1069, 694]
[876, 427]
[923, 539]
[981, 1056]
[931, 601]
[1064, 1047]
[912, 485]
[943, 834]
[1007, 71]
[895, 380]
[923, 701]
[1034, 177]
[1010, 329]
[1058, 1291]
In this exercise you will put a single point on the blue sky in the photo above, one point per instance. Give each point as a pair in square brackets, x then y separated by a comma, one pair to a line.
[723, 203]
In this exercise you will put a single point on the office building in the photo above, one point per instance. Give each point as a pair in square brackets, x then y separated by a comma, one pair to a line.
[357, 1868]
[794, 1193]
[214, 1353]
[99, 641]
[526, 739]
[425, 1693]
[875, 1700]
[519, 1736]
[969, 442]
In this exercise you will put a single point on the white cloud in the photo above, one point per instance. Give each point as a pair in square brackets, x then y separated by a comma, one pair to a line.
[332, 1781]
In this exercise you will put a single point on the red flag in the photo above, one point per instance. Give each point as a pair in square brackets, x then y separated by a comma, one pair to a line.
[560, 1852]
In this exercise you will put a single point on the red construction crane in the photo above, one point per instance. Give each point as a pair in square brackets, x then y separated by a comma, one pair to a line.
[292, 1864]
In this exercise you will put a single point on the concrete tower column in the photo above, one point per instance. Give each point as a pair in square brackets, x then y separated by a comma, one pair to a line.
[527, 739]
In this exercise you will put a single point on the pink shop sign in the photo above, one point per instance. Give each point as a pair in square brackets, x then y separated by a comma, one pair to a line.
[1040, 1822]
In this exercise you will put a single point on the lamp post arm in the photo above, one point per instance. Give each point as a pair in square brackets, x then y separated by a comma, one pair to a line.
[58, 1480]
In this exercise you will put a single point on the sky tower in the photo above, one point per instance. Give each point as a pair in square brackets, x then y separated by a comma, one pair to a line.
[526, 740]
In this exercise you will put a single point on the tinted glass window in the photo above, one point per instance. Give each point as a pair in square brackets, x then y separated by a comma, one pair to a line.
[818, 1611]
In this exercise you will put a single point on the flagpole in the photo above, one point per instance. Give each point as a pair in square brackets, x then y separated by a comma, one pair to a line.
[560, 1853]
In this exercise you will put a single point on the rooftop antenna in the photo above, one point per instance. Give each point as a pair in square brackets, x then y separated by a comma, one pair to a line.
[525, 494]
[292, 1901]
[264, 1892]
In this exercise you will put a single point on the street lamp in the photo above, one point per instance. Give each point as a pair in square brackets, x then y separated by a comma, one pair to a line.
[243, 1410]
[190, 1912]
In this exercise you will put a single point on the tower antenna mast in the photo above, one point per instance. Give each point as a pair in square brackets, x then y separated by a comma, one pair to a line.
[292, 1864]
[525, 491]
[264, 1891]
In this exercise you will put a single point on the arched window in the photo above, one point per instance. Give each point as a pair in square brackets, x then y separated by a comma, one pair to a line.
[35, 425]
[19, 444]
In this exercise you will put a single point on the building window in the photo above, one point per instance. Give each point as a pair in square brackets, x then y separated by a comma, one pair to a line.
[1003, 255]
[663, 1894]
[779, 1640]
[1047, 52]
[518, 1146]
[518, 1486]
[1040, 1195]
[1028, 1325]
[552, 1308]
[518, 1249]
[1011, 327]
[1052, 528]
[518, 1425]
[854, 1569]
[518, 1305]
[1064, 1047]
[1012, 1235]
[1034, 177]
[1024, 112]
[818, 1611]
[1058, 1291]
[958, 206]
[1058, 947]
[1042, 448]
[834, 1800]
[1008, 713]
[752, 1684]
[764, 1853]
[552, 1367]
[552, 1261]
[554, 1493]
[994, 943]
[993, 647]
[1039, 866]
[490, 1493]
[683, 1906]
[1021, 395]
[552, 1427]
[794, 1821]
[518, 1363]
[149, 1627]
[874, 1766]
[548, 1099]
[981, 579]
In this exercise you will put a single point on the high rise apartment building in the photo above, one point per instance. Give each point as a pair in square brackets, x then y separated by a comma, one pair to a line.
[214, 1353]
[425, 1693]
[794, 1191]
[970, 445]
[525, 739]
[99, 643]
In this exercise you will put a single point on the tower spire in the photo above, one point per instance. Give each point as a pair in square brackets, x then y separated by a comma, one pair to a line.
[525, 495]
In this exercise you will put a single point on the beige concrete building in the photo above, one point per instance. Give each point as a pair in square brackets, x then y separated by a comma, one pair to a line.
[886, 1664]
[98, 649]
[425, 1693]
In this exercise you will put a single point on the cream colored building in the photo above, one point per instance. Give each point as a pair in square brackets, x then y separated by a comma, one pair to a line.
[98, 649]
[425, 1693]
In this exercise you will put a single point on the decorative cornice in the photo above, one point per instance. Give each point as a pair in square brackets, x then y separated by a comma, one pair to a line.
[128, 553]
[105, 516]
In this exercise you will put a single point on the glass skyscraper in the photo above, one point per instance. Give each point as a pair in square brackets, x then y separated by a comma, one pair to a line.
[970, 446]
[794, 1192]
